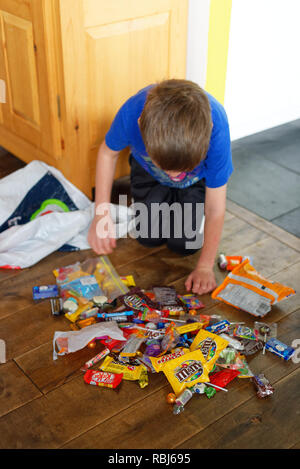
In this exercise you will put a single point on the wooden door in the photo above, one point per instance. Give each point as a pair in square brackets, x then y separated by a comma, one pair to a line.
[28, 70]
[110, 50]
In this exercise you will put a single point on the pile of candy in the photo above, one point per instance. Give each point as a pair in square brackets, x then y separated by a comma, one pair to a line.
[162, 331]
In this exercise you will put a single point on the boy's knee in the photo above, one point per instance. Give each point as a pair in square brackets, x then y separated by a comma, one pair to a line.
[151, 242]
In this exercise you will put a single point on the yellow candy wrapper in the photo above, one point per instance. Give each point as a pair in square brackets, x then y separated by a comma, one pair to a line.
[186, 371]
[190, 327]
[159, 362]
[211, 345]
[130, 372]
[128, 280]
[74, 316]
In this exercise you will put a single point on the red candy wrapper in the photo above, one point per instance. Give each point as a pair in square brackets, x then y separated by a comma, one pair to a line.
[102, 378]
[223, 377]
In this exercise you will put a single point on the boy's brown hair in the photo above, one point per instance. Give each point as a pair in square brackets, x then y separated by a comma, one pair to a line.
[176, 124]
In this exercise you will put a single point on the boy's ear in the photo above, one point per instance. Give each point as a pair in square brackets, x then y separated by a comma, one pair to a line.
[139, 119]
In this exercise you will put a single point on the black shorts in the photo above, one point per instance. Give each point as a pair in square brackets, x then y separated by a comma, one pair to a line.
[181, 229]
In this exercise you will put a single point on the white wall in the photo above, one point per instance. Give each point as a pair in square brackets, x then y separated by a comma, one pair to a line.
[197, 41]
[263, 69]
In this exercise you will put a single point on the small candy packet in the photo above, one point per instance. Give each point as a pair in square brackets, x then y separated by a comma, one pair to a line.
[218, 327]
[170, 339]
[186, 371]
[279, 348]
[223, 377]
[244, 332]
[128, 280]
[130, 372]
[153, 349]
[166, 298]
[191, 301]
[190, 327]
[251, 346]
[211, 345]
[263, 386]
[100, 378]
[265, 331]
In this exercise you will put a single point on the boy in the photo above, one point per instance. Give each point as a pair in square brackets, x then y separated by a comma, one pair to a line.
[180, 155]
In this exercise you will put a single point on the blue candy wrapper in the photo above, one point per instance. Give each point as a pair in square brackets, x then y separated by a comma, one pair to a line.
[279, 348]
[45, 291]
[218, 327]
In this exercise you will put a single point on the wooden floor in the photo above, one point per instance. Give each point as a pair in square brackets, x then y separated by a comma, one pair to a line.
[46, 404]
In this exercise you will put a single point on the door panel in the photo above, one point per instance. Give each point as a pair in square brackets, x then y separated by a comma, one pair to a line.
[120, 47]
[21, 70]
[29, 111]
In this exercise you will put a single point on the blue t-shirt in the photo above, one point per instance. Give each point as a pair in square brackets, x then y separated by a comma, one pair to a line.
[216, 168]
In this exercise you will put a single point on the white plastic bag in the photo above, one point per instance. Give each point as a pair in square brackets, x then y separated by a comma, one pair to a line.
[41, 211]
[76, 340]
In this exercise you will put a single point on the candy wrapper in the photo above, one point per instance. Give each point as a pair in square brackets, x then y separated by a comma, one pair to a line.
[187, 328]
[244, 332]
[191, 301]
[219, 327]
[128, 280]
[130, 372]
[186, 371]
[233, 360]
[211, 345]
[71, 341]
[135, 299]
[223, 377]
[244, 288]
[170, 339]
[132, 345]
[279, 348]
[251, 347]
[265, 331]
[159, 362]
[166, 298]
[100, 378]
[263, 386]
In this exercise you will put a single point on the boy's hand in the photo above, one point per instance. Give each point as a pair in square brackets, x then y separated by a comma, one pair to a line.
[102, 236]
[201, 280]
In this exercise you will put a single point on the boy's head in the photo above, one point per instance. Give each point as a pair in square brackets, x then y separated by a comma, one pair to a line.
[176, 125]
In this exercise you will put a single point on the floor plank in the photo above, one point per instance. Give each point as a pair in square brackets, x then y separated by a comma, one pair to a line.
[258, 423]
[263, 225]
[16, 389]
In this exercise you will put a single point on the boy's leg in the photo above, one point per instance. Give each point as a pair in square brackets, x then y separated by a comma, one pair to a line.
[186, 238]
[145, 191]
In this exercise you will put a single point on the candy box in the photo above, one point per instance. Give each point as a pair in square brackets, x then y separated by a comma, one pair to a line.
[45, 291]
[279, 348]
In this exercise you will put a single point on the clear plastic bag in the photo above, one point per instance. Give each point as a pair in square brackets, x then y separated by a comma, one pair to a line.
[92, 277]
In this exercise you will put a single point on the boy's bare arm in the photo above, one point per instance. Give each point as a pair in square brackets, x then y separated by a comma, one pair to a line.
[202, 279]
[102, 238]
